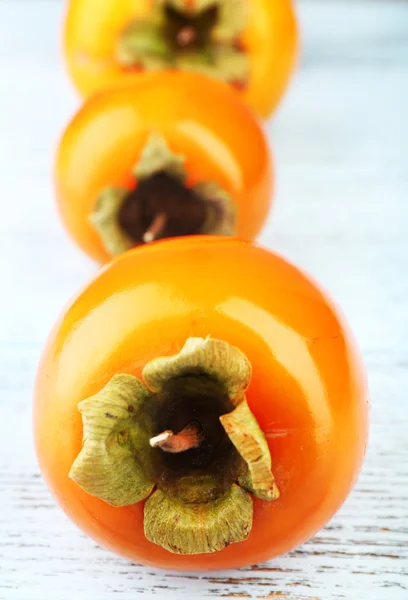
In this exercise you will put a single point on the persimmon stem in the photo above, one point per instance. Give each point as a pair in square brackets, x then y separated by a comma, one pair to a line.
[156, 228]
[186, 36]
[190, 437]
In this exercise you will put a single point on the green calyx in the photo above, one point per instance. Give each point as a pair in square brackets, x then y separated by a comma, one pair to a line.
[197, 480]
[169, 216]
[157, 157]
[198, 528]
[116, 431]
[215, 358]
[202, 36]
[104, 219]
[244, 432]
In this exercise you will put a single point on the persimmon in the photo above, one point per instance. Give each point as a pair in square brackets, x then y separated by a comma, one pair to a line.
[250, 44]
[173, 154]
[200, 405]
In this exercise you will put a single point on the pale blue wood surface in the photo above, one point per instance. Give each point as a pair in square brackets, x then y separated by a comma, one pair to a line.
[340, 141]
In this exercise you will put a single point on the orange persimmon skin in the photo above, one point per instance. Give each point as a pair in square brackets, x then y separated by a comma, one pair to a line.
[200, 119]
[92, 29]
[308, 388]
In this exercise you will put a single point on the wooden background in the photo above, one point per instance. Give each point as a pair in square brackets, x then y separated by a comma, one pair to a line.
[340, 141]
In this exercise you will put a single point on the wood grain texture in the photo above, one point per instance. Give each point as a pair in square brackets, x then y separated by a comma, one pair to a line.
[340, 142]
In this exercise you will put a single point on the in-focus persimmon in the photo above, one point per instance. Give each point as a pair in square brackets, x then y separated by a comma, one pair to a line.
[251, 44]
[200, 405]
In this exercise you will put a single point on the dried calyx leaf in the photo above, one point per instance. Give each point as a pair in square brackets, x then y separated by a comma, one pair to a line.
[161, 205]
[104, 218]
[204, 36]
[244, 432]
[198, 506]
[198, 528]
[156, 157]
[112, 464]
[233, 16]
[221, 212]
[215, 358]
[143, 44]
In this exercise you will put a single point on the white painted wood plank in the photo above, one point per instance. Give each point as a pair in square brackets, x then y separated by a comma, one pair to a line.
[340, 142]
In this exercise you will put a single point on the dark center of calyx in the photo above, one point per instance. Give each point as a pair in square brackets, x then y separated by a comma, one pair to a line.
[192, 456]
[187, 30]
[159, 207]
[202, 35]
[161, 204]
[184, 440]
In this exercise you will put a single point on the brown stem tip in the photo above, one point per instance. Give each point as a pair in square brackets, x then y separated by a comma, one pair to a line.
[190, 437]
[186, 36]
[156, 228]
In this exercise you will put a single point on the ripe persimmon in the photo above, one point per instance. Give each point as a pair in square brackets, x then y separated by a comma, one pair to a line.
[201, 405]
[173, 154]
[250, 44]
